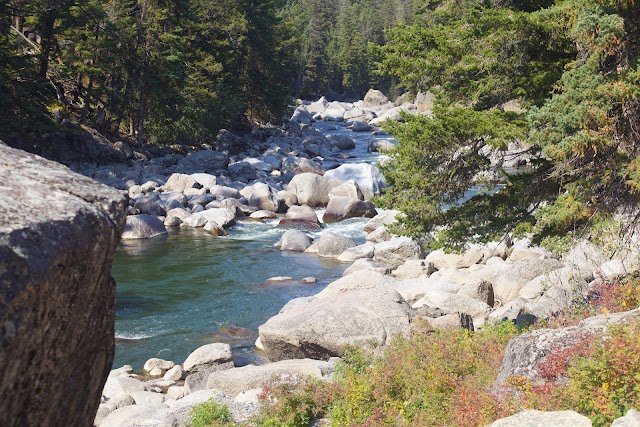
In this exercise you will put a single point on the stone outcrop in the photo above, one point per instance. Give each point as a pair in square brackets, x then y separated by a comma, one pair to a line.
[58, 232]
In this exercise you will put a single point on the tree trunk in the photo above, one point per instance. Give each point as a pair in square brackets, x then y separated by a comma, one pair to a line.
[46, 40]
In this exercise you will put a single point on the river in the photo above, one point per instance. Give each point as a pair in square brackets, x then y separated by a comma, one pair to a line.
[188, 288]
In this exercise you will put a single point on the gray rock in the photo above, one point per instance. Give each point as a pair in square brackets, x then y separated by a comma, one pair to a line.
[343, 142]
[397, 251]
[452, 321]
[340, 208]
[356, 309]
[223, 191]
[380, 145]
[148, 398]
[365, 264]
[312, 189]
[300, 217]
[174, 374]
[180, 182]
[630, 419]
[413, 268]
[155, 363]
[366, 175]
[507, 284]
[214, 229]
[210, 354]
[480, 290]
[357, 252]
[224, 217]
[266, 197]
[380, 220]
[239, 380]
[525, 352]
[150, 204]
[196, 381]
[205, 180]
[535, 418]
[58, 233]
[293, 240]
[331, 245]
[300, 165]
[358, 126]
[143, 227]
[207, 161]
[229, 142]
[455, 303]
[374, 98]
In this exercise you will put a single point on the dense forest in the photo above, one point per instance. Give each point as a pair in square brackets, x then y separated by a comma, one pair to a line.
[177, 71]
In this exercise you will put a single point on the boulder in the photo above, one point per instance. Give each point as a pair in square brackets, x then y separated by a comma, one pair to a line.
[343, 142]
[331, 245]
[58, 234]
[357, 252]
[379, 235]
[412, 290]
[143, 227]
[299, 165]
[424, 101]
[525, 352]
[454, 303]
[214, 229]
[149, 204]
[630, 419]
[205, 180]
[366, 175]
[382, 219]
[365, 264]
[266, 197]
[413, 268]
[116, 387]
[380, 145]
[534, 418]
[397, 251]
[229, 142]
[155, 363]
[206, 356]
[223, 191]
[319, 106]
[452, 321]
[508, 283]
[224, 217]
[312, 189]
[207, 161]
[394, 114]
[174, 374]
[359, 126]
[300, 217]
[293, 240]
[180, 182]
[238, 380]
[480, 290]
[263, 214]
[374, 98]
[340, 208]
[334, 112]
[327, 324]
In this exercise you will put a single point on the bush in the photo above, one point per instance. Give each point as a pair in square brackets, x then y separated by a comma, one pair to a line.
[210, 414]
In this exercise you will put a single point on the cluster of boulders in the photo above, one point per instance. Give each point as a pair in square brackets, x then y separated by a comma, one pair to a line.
[166, 392]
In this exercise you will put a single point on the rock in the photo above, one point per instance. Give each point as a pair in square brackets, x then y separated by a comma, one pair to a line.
[358, 126]
[343, 142]
[412, 290]
[300, 217]
[174, 374]
[374, 98]
[357, 252]
[379, 235]
[58, 233]
[263, 214]
[148, 398]
[340, 208]
[311, 189]
[397, 251]
[334, 112]
[519, 254]
[293, 240]
[394, 114]
[239, 380]
[631, 419]
[507, 284]
[299, 165]
[331, 245]
[424, 101]
[266, 197]
[214, 229]
[122, 385]
[143, 227]
[175, 392]
[308, 280]
[280, 279]
[365, 264]
[180, 182]
[229, 142]
[205, 180]
[319, 106]
[224, 217]
[289, 198]
[413, 268]
[480, 290]
[197, 381]
[380, 220]
[525, 352]
[368, 176]
[509, 311]
[455, 303]
[207, 355]
[452, 321]
[380, 145]
[223, 191]
[327, 324]
[207, 161]
[154, 363]
[150, 205]
[535, 418]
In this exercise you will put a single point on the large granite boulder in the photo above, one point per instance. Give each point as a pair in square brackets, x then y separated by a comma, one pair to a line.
[397, 251]
[143, 227]
[508, 283]
[293, 240]
[312, 189]
[303, 217]
[58, 233]
[356, 309]
[368, 177]
[206, 161]
[374, 98]
[535, 418]
[331, 245]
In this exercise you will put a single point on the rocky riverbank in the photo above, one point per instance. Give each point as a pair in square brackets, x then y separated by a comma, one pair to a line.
[392, 282]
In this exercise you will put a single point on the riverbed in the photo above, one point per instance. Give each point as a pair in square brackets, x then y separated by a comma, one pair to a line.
[186, 289]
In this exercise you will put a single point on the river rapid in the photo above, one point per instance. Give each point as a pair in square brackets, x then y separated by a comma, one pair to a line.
[186, 289]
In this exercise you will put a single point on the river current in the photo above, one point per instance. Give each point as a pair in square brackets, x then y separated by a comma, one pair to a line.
[186, 289]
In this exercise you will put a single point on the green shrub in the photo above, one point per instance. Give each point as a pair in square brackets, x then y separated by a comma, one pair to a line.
[210, 414]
